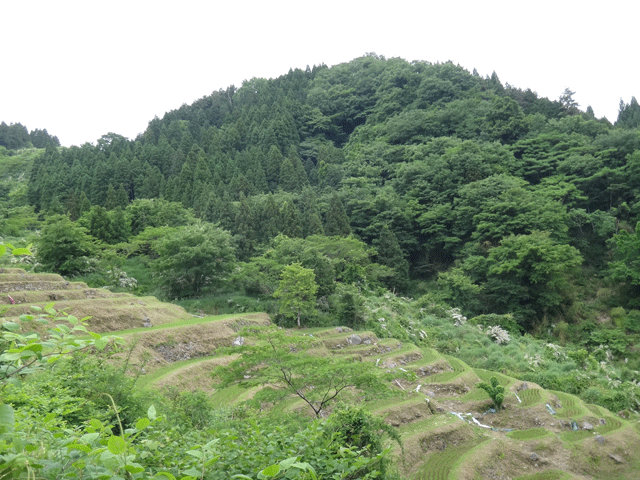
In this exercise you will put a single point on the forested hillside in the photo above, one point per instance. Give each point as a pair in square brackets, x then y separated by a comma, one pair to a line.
[417, 201]
[511, 202]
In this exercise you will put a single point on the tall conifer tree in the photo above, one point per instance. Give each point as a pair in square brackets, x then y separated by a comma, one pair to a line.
[336, 219]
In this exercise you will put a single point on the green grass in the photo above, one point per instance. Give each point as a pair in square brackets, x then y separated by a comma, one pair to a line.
[180, 323]
[612, 424]
[475, 395]
[596, 410]
[548, 475]
[380, 407]
[529, 434]
[231, 395]
[426, 424]
[529, 397]
[146, 381]
[458, 368]
[576, 436]
[440, 465]
[485, 376]
[429, 355]
[570, 407]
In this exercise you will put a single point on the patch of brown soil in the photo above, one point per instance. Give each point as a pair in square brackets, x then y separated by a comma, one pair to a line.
[408, 413]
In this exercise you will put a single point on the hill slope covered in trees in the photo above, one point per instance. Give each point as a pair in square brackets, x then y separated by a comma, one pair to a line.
[449, 175]
[367, 194]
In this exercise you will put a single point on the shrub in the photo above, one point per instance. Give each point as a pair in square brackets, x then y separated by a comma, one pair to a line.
[506, 322]
[494, 390]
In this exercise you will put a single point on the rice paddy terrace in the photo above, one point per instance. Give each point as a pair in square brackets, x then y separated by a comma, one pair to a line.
[447, 426]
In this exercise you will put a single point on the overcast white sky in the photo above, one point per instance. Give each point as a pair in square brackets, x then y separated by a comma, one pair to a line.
[82, 69]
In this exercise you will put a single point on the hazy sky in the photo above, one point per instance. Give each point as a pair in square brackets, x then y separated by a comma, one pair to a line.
[82, 69]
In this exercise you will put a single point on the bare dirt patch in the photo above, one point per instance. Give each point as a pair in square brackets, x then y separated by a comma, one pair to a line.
[408, 413]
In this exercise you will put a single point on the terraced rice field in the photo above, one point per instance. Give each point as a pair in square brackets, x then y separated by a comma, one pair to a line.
[440, 465]
[549, 475]
[438, 445]
[596, 410]
[570, 407]
[530, 434]
[530, 396]
[485, 376]
[576, 436]
[475, 395]
[458, 368]
[406, 354]
[612, 424]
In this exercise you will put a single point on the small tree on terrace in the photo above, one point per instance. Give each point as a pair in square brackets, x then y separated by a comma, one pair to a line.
[297, 291]
[494, 390]
[282, 360]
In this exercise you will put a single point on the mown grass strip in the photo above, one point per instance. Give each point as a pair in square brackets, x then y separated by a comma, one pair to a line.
[181, 323]
[485, 376]
[528, 434]
[612, 424]
[439, 466]
[570, 407]
[529, 397]
[458, 368]
[548, 475]
[576, 436]
[149, 379]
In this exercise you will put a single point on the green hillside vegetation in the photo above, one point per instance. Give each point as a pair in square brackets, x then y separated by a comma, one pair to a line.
[329, 274]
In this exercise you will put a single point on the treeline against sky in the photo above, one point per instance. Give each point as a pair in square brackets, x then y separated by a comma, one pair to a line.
[502, 197]
[16, 136]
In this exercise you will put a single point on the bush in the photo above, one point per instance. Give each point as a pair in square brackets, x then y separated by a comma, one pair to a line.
[507, 322]
[494, 390]
[64, 247]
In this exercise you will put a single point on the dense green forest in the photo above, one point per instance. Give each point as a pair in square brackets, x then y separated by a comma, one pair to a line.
[485, 196]
[308, 195]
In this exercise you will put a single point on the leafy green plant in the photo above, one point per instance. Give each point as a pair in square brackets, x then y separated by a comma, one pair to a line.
[494, 390]
[25, 353]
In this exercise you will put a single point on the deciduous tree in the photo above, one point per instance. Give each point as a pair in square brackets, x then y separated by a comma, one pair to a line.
[297, 291]
[193, 257]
